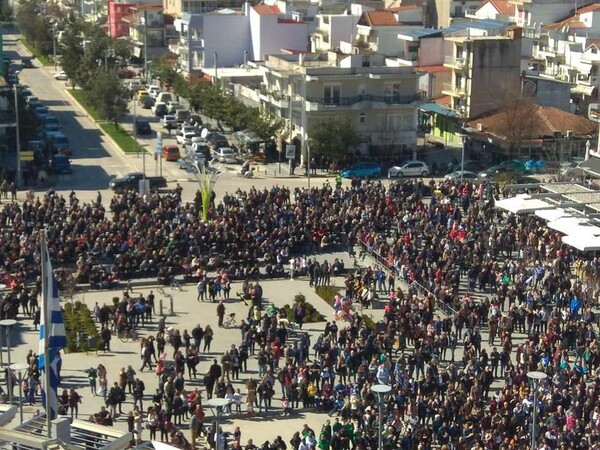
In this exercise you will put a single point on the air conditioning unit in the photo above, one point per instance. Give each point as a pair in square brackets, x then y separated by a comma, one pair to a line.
[479, 127]
[569, 134]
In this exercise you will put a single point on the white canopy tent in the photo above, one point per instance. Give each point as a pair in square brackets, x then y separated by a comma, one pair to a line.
[551, 215]
[523, 204]
[574, 226]
[583, 242]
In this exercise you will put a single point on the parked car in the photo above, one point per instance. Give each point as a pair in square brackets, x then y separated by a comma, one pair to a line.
[185, 137]
[170, 153]
[142, 127]
[159, 109]
[216, 140]
[132, 181]
[194, 119]
[409, 169]
[61, 164]
[62, 75]
[190, 160]
[173, 107]
[512, 167]
[169, 120]
[164, 97]
[141, 93]
[362, 170]
[41, 112]
[226, 155]
[182, 115]
[153, 90]
[134, 85]
[464, 174]
[26, 62]
[147, 102]
[59, 143]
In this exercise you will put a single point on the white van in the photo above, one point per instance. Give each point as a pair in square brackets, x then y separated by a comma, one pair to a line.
[153, 90]
[165, 97]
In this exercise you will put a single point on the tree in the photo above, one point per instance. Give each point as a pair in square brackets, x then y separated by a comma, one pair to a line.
[35, 25]
[107, 94]
[122, 48]
[72, 53]
[6, 12]
[332, 137]
[264, 124]
[518, 119]
[28, 122]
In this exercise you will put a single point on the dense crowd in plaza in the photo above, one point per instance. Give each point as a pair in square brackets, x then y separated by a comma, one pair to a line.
[491, 299]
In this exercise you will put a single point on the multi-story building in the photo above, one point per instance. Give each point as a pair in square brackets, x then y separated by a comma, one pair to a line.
[381, 101]
[147, 29]
[532, 13]
[332, 29]
[494, 9]
[377, 31]
[482, 64]
[229, 38]
[177, 8]
[117, 10]
[443, 13]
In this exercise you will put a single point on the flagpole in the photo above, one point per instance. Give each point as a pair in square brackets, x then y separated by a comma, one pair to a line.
[45, 301]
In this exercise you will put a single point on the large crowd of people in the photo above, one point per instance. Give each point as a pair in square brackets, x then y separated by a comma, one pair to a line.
[489, 299]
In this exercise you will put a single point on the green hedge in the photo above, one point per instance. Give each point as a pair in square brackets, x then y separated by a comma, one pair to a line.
[312, 315]
[43, 59]
[78, 318]
[328, 294]
[121, 137]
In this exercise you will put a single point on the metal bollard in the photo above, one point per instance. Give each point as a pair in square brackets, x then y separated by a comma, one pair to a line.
[160, 307]
[172, 309]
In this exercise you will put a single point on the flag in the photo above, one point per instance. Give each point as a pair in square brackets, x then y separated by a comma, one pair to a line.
[52, 329]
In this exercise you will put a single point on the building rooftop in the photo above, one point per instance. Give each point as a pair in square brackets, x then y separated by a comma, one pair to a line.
[573, 20]
[418, 33]
[481, 24]
[502, 6]
[433, 69]
[267, 10]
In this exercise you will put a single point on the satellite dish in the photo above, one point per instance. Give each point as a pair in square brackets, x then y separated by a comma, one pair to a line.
[204, 133]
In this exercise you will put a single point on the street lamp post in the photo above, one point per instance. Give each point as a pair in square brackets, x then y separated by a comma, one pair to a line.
[536, 378]
[218, 404]
[18, 368]
[54, 45]
[380, 390]
[8, 324]
[15, 87]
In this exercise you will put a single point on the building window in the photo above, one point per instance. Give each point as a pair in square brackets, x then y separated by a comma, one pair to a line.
[331, 95]
[366, 61]
[362, 118]
[391, 92]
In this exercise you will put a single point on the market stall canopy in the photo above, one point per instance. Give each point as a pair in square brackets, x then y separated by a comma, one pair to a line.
[583, 242]
[575, 226]
[523, 204]
[247, 137]
[551, 215]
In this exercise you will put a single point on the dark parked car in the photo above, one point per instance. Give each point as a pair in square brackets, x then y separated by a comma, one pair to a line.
[142, 127]
[147, 102]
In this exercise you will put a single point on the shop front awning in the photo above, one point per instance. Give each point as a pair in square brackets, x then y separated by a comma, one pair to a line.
[434, 108]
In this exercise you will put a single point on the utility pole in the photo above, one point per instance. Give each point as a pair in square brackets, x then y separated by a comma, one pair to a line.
[54, 45]
[18, 137]
[146, 42]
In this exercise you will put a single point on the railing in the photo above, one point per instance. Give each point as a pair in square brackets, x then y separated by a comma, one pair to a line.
[413, 57]
[414, 285]
[454, 61]
[453, 88]
[349, 101]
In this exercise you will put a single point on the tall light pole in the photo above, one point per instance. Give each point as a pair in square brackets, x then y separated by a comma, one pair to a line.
[19, 368]
[54, 45]
[380, 390]
[218, 404]
[15, 87]
[8, 324]
[536, 378]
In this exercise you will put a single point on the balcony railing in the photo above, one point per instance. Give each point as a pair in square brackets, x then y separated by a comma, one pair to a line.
[349, 101]
[454, 61]
[449, 87]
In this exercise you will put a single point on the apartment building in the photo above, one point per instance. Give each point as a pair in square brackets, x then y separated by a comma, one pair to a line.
[177, 8]
[227, 38]
[381, 101]
[481, 64]
[147, 29]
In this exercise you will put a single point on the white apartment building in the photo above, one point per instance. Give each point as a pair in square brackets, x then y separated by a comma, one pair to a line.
[381, 101]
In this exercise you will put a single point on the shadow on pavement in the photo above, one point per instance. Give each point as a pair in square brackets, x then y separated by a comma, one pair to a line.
[86, 178]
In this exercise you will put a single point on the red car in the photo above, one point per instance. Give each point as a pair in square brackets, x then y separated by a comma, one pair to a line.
[171, 153]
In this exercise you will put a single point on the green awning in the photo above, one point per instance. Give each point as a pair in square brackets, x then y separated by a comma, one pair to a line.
[434, 108]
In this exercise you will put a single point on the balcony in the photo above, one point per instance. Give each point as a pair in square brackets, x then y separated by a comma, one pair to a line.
[408, 59]
[548, 52]
[321, 104]
[453, 90]
[454, 62]
[586, 80]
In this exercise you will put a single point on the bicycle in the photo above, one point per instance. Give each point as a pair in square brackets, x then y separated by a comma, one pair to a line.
[230, 322]
[127, 333]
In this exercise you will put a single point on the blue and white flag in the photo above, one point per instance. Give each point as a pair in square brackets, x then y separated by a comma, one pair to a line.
[52, 328]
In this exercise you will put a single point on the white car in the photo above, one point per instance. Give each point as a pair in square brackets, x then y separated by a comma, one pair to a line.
[226, 155]
[409, 169]
[62, 75]
[185, 137]
[153, 90]
[169, 119]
